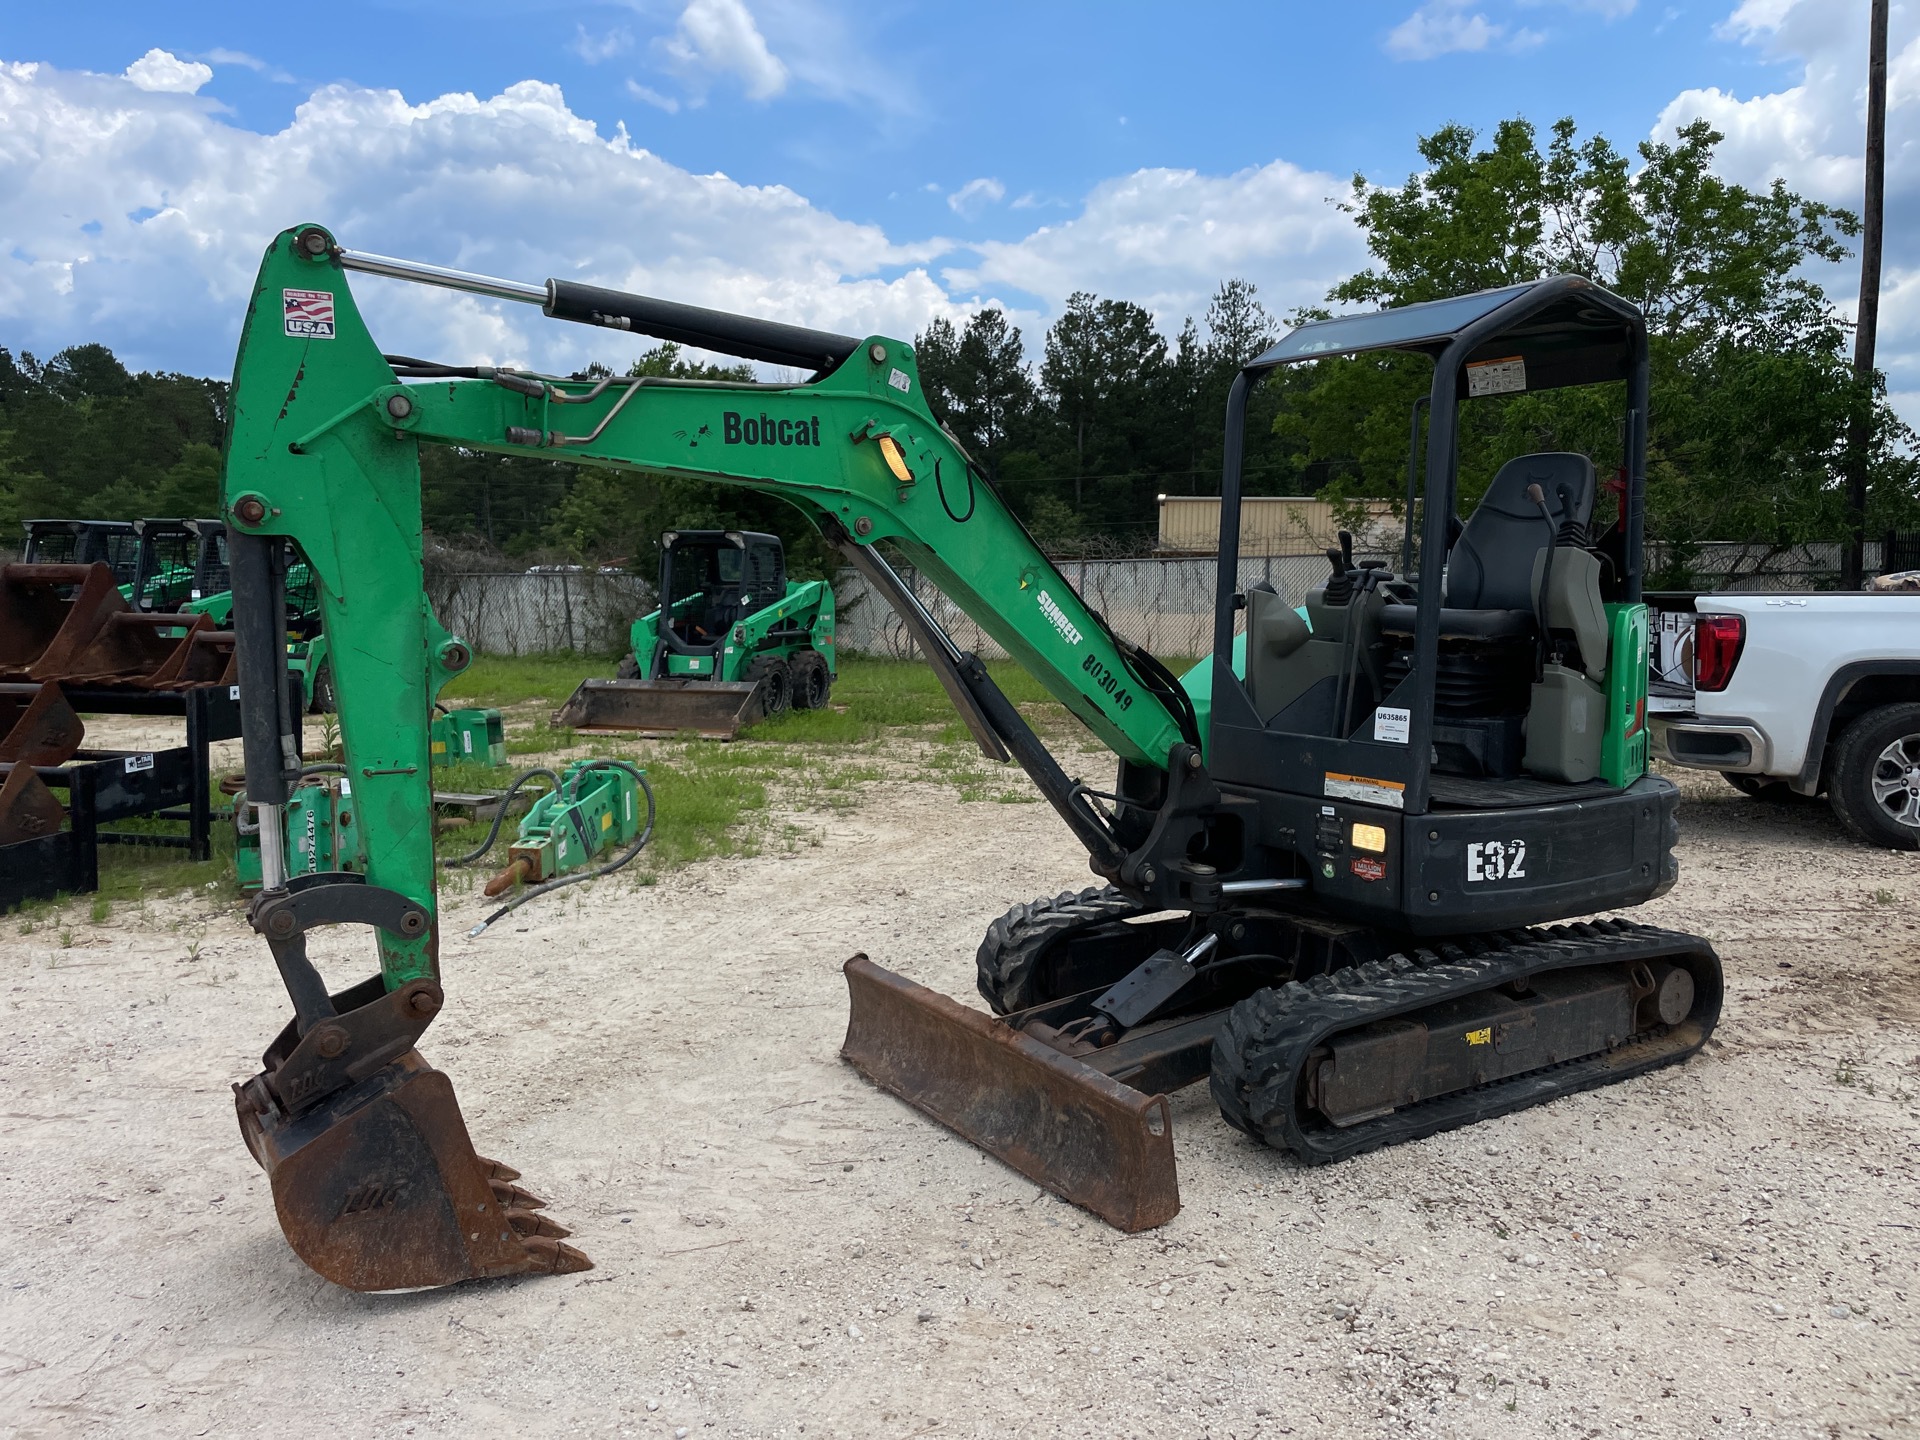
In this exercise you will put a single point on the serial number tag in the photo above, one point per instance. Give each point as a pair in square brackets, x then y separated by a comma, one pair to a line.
[1496, 860]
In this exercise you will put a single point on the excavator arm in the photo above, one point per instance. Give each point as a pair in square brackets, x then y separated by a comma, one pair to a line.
[374, 1177]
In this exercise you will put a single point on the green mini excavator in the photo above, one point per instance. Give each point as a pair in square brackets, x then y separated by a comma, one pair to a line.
[1331, 859]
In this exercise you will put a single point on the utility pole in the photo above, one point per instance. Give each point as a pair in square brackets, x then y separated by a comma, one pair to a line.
[1872, 217]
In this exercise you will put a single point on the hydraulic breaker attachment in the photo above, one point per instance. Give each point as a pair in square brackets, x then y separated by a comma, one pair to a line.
[27, 807]
[37, 725]
[661, 709]
[476, 736]
[1088, 1138]
[595, 808]
[374, 1178]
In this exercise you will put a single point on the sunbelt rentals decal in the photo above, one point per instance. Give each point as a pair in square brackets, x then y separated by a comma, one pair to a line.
[1069, 632]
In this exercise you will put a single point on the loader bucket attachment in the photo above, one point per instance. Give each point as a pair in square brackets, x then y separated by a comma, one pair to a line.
[378, 1187]
[661, 709]
[1084, 1136]
[37, 725]
[47, 612]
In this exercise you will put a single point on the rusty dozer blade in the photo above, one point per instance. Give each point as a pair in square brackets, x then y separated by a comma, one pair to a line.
[37, 725]
[376, 1184]
[27, 807]
[661, 709]
[1084, 1136]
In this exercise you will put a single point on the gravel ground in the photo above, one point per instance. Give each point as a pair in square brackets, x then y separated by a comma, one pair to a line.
[1723, 1249]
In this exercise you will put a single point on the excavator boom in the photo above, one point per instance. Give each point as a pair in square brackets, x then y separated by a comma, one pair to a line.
[375, 1179]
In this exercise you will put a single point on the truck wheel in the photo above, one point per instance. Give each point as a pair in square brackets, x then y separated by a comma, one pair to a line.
[627, 669]
[1759, 787]
[1875, 785]
[811, 682]
[776, 687]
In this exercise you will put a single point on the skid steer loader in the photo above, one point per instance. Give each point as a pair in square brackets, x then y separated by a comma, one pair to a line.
[734, 641]
[1330, 860]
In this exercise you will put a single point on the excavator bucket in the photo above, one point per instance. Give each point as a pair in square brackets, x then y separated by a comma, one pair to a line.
[661, 709]
[37, 725]
[378, 1187]
[1084, 1136]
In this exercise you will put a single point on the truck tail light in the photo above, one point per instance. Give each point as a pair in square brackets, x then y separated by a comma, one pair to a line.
[1716, 649]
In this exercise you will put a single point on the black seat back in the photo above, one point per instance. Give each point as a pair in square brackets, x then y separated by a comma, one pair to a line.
[1491, 567]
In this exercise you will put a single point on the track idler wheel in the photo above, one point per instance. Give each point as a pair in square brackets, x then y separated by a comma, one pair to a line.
[378, 1186]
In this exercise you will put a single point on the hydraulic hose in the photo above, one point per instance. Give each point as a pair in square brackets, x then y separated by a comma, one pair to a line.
[620, 861]
[500, 815]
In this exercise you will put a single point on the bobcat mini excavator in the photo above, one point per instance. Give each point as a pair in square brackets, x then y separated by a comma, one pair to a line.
[1330, 857]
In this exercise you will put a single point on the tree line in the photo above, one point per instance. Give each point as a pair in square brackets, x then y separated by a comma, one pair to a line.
[1752, 386]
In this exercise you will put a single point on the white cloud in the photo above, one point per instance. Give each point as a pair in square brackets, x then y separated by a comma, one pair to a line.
[975, 196]
[138, 218]
[165, 73]
[595, 48]
[721, 37]
[254, 63]
[1166, 238]
[1811, 133]
[652, 97]
[1441, 27]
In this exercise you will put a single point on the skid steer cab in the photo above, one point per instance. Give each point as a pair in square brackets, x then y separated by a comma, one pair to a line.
[734, 641]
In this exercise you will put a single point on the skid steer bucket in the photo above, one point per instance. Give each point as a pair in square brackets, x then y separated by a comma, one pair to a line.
[1084, 1136]
[660, 709]
[378, 1187]
[50, 611]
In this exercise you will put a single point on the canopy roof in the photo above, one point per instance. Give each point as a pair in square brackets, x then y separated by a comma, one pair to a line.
[1564, 330]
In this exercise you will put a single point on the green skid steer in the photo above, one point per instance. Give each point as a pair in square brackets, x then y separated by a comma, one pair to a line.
[734, 642]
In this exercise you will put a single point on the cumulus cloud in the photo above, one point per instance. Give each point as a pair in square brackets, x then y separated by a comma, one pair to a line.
[1166, 238]
[976, 195]
[163, 72]
[1441, 27]
[720, 37]
[1812, 134]
[137, 218]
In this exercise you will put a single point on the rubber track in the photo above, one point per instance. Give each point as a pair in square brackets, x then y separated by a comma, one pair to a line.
[1009, 957]
[1269, 1037]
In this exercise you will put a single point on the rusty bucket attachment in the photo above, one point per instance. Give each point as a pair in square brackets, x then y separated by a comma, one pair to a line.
[51, 610]
[1084, 1136]
[37, 725]
[27, 807]
[661, 709]
[377, 1184]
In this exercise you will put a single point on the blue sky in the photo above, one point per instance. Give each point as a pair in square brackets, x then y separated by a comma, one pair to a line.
[880, 163]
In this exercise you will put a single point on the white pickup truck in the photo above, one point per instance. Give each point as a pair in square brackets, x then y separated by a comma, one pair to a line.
[1789, 694]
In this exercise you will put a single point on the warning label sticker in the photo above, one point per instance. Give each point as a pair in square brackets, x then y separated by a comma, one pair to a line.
[1390, 793]
[309, 313]
[1497, 377]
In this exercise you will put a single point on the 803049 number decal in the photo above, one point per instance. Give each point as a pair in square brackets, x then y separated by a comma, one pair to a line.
[1107, 681]
[1496, 860]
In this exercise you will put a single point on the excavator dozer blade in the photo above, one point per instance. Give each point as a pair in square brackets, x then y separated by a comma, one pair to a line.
[1084, 1136]
[660, 709]
[379, 1188]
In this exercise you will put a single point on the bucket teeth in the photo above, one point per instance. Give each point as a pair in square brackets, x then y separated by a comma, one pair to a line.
[514, 1198]
[531, 1222]
[552, 1257]
[495, 1170]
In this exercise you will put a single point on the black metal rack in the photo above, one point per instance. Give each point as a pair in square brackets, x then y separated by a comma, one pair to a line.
[102, 786]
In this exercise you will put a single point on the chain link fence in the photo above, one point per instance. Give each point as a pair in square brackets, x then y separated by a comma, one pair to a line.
[540, 612]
